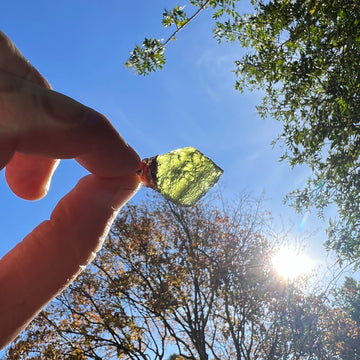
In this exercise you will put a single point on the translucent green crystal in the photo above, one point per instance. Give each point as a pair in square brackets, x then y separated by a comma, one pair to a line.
[185, 175]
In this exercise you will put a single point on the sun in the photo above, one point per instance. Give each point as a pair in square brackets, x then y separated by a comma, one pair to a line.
[290, 263]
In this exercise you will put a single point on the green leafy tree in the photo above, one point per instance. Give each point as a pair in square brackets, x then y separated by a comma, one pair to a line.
[195, 280]
[305, 55]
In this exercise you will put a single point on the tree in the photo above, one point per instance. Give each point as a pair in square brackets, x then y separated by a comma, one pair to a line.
[197, 280]
[304, 55]
[347, 302]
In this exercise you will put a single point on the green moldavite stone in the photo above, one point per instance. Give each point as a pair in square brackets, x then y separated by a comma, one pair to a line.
[182, 176]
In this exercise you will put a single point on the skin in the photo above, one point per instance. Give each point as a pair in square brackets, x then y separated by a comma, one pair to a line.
[38, 126]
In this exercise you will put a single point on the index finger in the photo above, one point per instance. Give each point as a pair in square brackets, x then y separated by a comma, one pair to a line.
[41, 122]
[29, 171]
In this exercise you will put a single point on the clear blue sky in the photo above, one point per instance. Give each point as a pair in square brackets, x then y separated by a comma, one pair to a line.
[80, 46]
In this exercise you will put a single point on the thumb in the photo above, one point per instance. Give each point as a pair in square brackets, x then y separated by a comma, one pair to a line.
[51, 256]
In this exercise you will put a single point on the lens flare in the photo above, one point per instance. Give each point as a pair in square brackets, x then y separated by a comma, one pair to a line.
[290, 263]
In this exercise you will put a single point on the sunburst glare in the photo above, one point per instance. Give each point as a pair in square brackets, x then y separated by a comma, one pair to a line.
[290, 263]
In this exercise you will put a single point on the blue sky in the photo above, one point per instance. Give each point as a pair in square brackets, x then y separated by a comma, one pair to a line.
[80, 46]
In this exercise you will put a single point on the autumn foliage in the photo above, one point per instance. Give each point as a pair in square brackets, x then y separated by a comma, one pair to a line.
[193, 282]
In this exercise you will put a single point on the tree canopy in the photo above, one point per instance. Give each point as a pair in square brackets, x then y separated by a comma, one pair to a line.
[304, 54]
[195, 281]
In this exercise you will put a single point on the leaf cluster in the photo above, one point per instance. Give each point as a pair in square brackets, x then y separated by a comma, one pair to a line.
[150, 56]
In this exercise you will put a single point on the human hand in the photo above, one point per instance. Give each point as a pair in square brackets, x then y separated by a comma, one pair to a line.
[37, 127]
